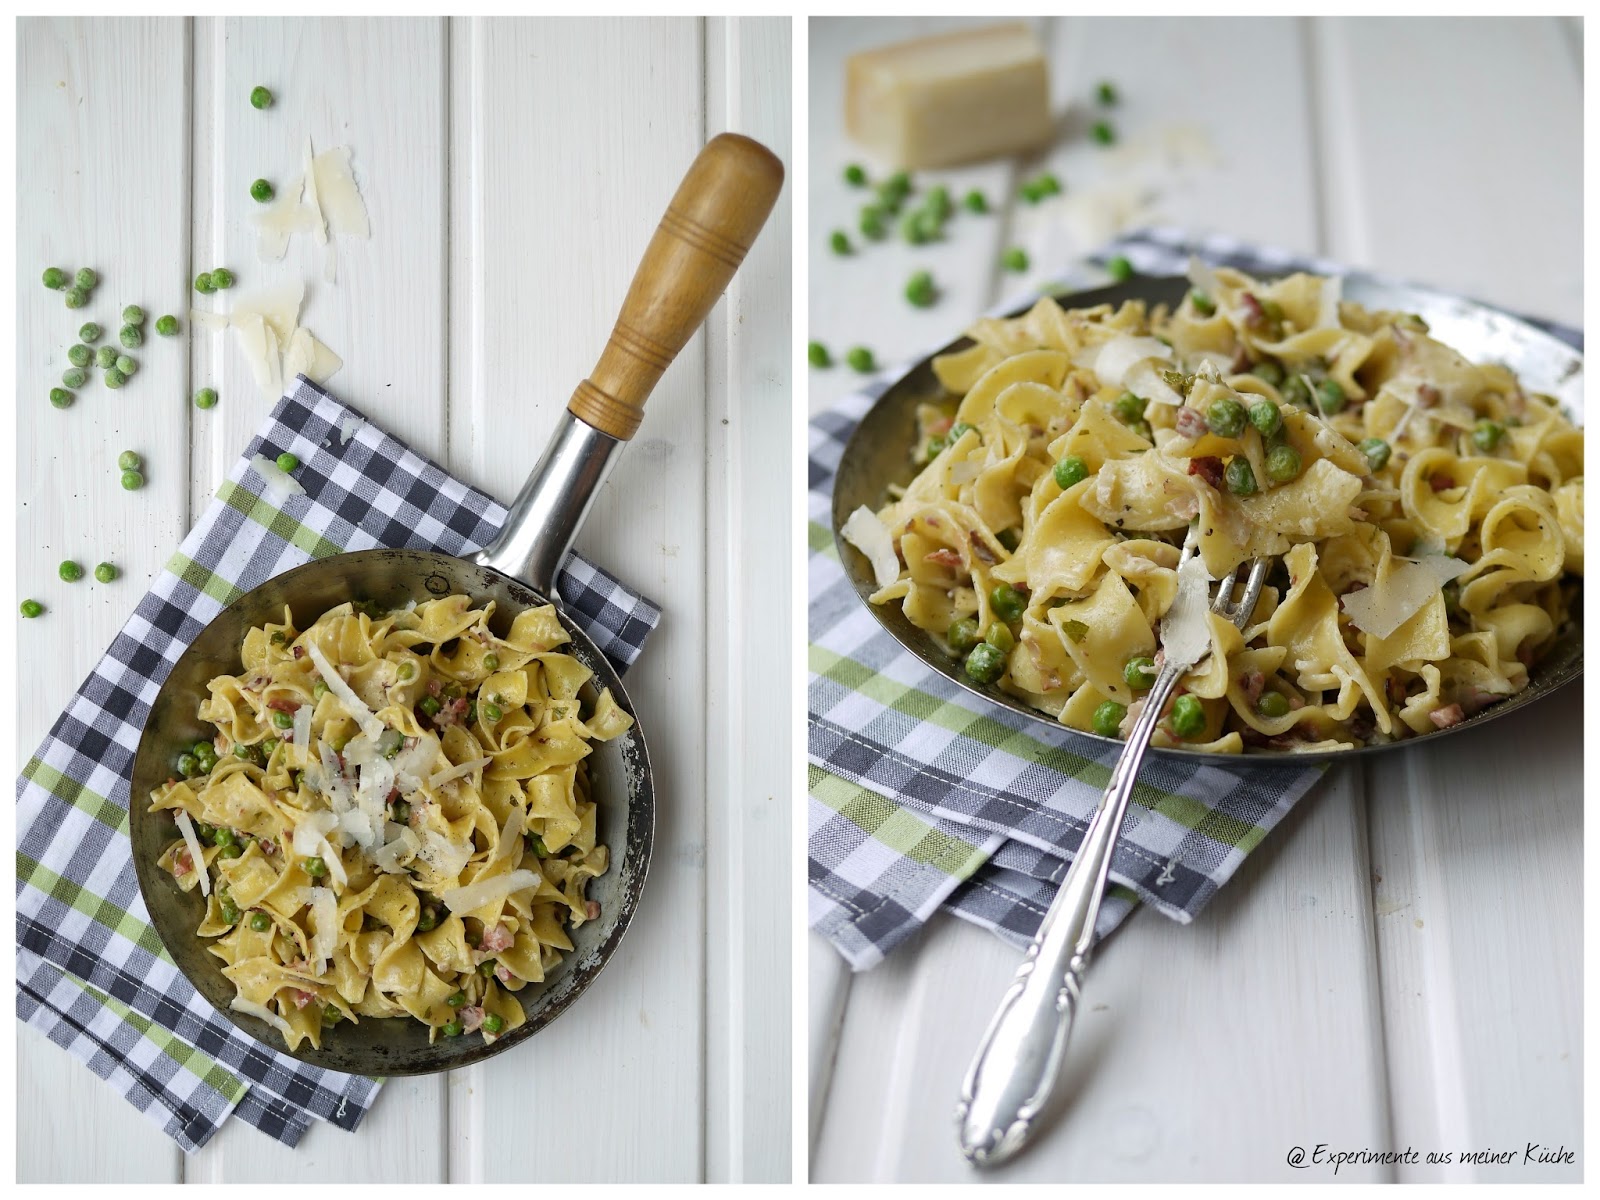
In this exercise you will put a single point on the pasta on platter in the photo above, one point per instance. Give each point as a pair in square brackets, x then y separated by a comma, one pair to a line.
[393, 819]
[1426, 513]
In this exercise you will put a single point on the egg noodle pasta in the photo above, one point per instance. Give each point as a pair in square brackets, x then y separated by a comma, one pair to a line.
[1426, 514]
[394, 818]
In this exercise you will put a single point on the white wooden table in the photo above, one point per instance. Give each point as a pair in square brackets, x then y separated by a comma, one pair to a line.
[1401, 962]
[513, 171]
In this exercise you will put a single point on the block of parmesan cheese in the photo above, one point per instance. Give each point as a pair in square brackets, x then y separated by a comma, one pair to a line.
[955, 98]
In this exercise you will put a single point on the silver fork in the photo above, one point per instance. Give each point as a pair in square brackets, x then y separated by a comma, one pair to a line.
[1017, 1062]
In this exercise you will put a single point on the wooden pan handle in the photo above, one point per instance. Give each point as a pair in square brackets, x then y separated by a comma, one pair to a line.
[719, 208]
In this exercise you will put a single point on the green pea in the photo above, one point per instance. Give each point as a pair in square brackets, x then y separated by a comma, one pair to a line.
[106, 356]
[221, 278]
[1188, 717]
[133, 315]
[167, 326]
[389, 742]
[203, 284]
[976, 201]
[916, 228]
[79, 356]
[1000, 637]
[1102, 133]
[86, 278]
[61, 398]
[871, 223]
[1106, 94]
[188, 767]
[934, 446]
[331, 1016]
[1120, 269]
[1015, 259]
[1376, 451]
[402, 811]
[453, 1028]
[1107, 720]
[818, 355]
[1202, 303]
[1226, 417]
[70, 571]
[1330, 397]
[260, 922]
[76, 297]
[129, 460]
[486, 967]
[269, 746]
[493, 1023]
[1031, 192]
[130, 336]
[126, 365]
[985, 664]
[287, 462]
[105, 572]
[1266, 417]
[1296, 391]
[132, 481]
[919, 289]
[1486, 434]
[855, 175]
[1241, 478]
[538, 846]
[961, 429]
[939, 202]
[282, 719]
[205, 398]
[1283, 464]
[429, 705]
[314, 867]
[1140, 672]
[1273, 705]
[261, 191]
[427, 919]
[899, 183]
[1129, 408]
[491, 712]
[840, 242]
[1007, 603]
[90, 333]
[1070, 470]
[74, 377]
[860, 359]
[260, 98]
[1269, 371]
[962, 635]
[55, 278]
[32, 608]
[230, 912]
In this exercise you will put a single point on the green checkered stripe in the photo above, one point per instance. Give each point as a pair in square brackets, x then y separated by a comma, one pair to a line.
[923, 796]
[91, 972]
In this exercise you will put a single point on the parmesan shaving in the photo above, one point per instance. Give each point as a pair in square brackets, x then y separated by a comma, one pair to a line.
[278, 306]
[302, 732]
[481, 892]
[186, 827]
[456, 772]
[1119, 355]
[240, 1004]
[364, 716]
[871, 536]
[1185, 632]
[348, 428]
[318, 221]
[324, 921]
[338, 198]
[446, 858]
[283, 218]
[209, 321]
[278, 481]
[311, 834]
[1392, 601]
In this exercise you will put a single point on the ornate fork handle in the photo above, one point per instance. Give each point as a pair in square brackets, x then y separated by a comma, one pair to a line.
[1015, 1068]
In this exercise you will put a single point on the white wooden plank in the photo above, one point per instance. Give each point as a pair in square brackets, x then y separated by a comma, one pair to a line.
[95, 189]
[1436, 177]
[749, 775]
[577, 133]
[1271, 993]
[827, 999]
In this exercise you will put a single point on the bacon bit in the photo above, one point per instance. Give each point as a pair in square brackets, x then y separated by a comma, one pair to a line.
[1191, 422]
[1525, 654]
[1251, 684]
[435, 688]
[1296, 703]
[1357, 514]
[1208, 468]
[497, 939]
[299, 651]
[503, 973]
[947, 557]
[941, 426]
[981, 549]
[301, 999]
[1439, 481]
[288, 706]
[182, 864]
[1255, 315]
[1444, 718]
[1241, 361]
[268, 846]
[1428, 396]
[1395, 689]
[471, 1017]
[591, 909]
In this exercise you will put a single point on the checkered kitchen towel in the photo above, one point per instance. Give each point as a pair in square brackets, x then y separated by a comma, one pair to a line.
[91, 973]
[922, 795]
